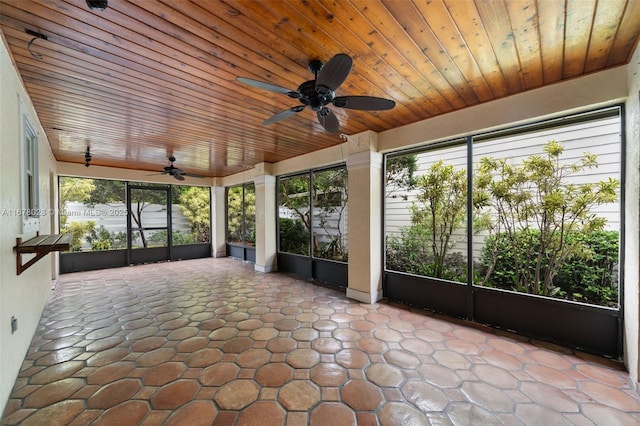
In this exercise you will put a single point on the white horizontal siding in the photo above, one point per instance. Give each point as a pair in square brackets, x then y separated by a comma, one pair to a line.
[600, 137]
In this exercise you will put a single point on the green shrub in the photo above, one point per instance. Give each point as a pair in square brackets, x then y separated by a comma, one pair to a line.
[333, 250]
[410, 252]
[159, 238]
[588, 275]
[592, 278]
[294, 237]
[100, 238]
[78, 230]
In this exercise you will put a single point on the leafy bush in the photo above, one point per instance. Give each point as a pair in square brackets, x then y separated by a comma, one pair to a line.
[78, 230]
[333, 250]
[588, 274]
[195, 206]
[411, 252]
[159, 238]
[294, 237]
[593, 278]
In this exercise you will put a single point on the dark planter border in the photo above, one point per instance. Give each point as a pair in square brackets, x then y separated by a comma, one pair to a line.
[335, 274]
[580, 326]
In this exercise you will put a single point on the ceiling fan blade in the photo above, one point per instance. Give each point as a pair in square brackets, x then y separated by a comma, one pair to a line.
[329, 121]
[366, 103]
[178, 176]
[335, 72]
[193, 175]
[269, 86]
[284, 114]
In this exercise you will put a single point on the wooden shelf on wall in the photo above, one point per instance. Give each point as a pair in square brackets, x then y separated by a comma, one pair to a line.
[40, 245]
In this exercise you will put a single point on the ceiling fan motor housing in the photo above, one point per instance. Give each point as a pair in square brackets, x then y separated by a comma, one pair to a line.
[316, 96]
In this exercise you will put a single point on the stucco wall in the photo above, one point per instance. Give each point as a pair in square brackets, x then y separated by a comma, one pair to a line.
[632, 221]
[21, 296]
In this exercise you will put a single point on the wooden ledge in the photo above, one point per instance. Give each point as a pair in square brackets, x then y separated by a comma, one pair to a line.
[40, 245]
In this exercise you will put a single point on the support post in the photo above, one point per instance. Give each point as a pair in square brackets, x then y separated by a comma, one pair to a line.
[364, 164]
[218, 224]
[265, 184]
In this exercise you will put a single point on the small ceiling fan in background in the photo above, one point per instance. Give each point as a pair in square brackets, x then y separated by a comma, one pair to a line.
[320, 92]
[176, 172]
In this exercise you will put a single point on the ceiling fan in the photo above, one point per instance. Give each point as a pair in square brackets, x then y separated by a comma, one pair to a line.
[320, 92]
[176, 172]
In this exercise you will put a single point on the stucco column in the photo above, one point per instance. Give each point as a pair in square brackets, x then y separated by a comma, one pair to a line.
[265, 184]
[365, 226]
[218, 225]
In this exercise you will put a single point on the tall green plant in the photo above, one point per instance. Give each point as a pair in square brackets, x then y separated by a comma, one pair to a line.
[537, 195]
[439, 210]
[73, 189]
[330, 200]
[400, 176]
[196, 208]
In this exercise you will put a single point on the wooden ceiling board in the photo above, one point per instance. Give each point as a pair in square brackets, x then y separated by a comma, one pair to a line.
[578, 23]
[606, 24]
[627, 35]
[470, 26]
[459, 57]
[524, 22]
[146, 79]
[551, 15]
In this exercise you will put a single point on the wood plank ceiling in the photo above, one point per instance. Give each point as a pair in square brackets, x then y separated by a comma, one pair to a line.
[142, 79]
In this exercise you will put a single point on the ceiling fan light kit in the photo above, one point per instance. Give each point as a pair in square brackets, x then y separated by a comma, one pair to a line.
[97, 4]
[320, 92]
[87, 158]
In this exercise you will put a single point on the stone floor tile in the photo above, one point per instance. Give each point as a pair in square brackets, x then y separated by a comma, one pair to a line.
[352, 358]
[85, 418]
[204, 357]
[402, 359]
[385, 375]
[163, 374]
[540, 414]
[193, 413]
[62, 412]
[237, 345]
[549, 396]
[328, 374]
[253, 358]
[218, 374]
[298, 395]
[396, 413]
[53, 392]
[114, 393]
[495, 376]
[303, 358]
[56, 372]
[155, 357]
[129, 412]
[425, 396]
[262, 413]
[466, 413]
[332, 414]
[274, 374]
[237, 395]
[612, 397]
[489, 397]
[362, 395]
[281, 345]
